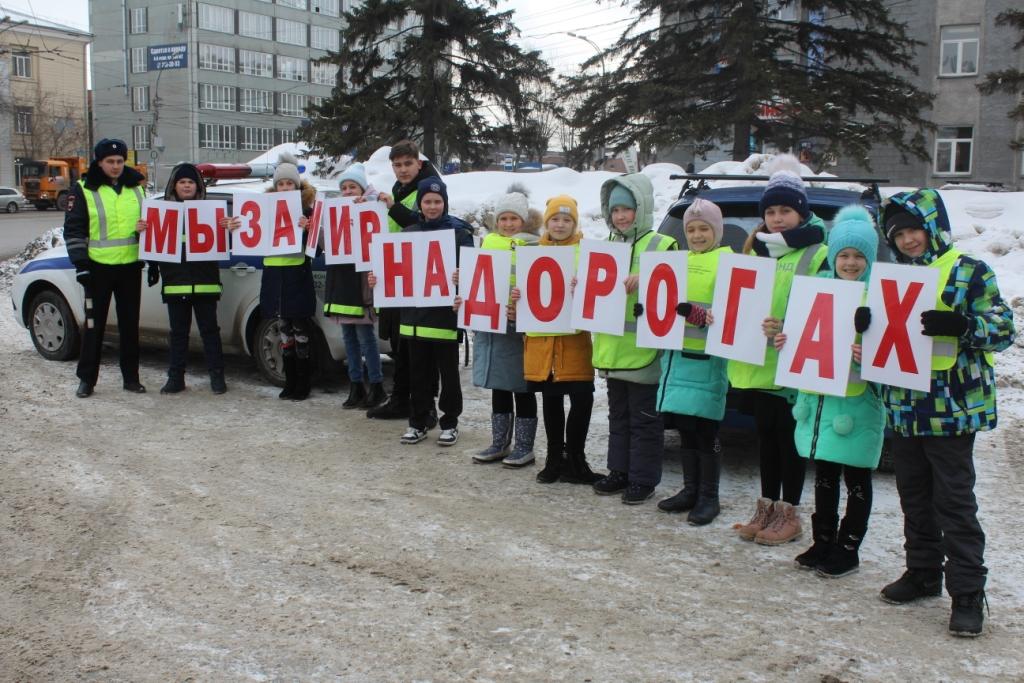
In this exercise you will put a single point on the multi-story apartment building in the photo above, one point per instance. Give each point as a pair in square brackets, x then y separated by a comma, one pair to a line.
[43, 105]
[214, 80]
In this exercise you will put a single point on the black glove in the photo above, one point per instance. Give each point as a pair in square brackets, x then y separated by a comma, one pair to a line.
[153, 274]
[684, 308]
[862, 319]
[638, 309]
[943, 323]
[83, 276]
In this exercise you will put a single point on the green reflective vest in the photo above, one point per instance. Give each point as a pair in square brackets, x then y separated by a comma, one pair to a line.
[701, 271]
[409, 203]
[113, 239]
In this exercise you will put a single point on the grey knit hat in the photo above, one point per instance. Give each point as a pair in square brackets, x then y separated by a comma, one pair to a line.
[513, 202]
[287, 169]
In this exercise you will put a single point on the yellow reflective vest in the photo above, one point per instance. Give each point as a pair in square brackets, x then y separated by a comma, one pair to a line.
[113, 239]
[701, 271]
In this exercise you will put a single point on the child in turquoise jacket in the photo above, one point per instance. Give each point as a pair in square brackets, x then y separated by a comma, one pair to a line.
[842, 435]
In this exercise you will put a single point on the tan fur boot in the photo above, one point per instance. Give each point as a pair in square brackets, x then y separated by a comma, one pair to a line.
[758, 522]
[783, 527]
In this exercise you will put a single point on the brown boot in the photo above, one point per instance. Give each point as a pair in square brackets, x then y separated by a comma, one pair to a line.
[783, 527]
[758, 522]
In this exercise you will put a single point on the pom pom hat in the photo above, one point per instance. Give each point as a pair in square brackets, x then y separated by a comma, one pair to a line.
[853, 228]
[703, 210]
[287, 169]
[785, 188]
[513, 202]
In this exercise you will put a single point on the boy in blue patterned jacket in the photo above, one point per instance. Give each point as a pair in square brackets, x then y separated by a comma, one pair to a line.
[933, 443]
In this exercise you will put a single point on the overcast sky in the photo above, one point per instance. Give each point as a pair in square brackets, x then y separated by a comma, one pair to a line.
[543, 23]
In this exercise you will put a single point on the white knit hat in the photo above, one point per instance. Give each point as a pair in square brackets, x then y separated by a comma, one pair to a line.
[513, 202]
[287, 169]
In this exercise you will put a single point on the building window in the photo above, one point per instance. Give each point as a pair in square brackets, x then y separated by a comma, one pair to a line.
[216, 136]
[257, 139]
[959, 52]
[255, 26]
[256, 63]
[138, 60]
[140, 98]
[23, 121]
[291, 69]
[140, 137]
[137, 20]
[286, 135]
[216, 18]
[953, 146]
[291, 104]
[291, 32]
[324, 38]
[22, 62]
[216, 58]
[218, 97]
[324, 74]
[328, 8]
[255, 101]
[297, 4]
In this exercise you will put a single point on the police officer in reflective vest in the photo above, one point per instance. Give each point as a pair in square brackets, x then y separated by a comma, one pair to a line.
[100, 231]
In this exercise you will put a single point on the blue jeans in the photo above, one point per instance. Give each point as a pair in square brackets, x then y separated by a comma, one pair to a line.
[361, 343]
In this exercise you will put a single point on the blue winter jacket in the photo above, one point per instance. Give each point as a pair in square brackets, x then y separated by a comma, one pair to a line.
[692, 384]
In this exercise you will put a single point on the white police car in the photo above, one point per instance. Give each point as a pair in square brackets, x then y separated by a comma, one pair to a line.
[48, 301]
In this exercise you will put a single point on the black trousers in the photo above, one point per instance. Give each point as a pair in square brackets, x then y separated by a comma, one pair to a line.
[935, 479]
[433, 359]
[859, 494]
[696, 433]
[782, 469]
[636, 434]
[179, 316]
[124, 283]
[568, 434]
[525, 403]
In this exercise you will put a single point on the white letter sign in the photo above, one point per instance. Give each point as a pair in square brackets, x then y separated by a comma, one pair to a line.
[483, 285]
[662, 287]
[599, 302]
[371, 219]
[742, 300]
[315, 226]
[205, 240]
[544, 276]
[339, 245]
[413, 268]
[161, 240]
[270, 224]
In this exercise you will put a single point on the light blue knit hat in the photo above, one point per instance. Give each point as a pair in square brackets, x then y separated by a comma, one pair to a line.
[854, 228]
[356, 173]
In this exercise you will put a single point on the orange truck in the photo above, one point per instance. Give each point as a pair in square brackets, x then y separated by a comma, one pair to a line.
[46, 183]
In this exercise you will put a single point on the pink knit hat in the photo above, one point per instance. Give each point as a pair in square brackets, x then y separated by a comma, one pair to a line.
[703, 210]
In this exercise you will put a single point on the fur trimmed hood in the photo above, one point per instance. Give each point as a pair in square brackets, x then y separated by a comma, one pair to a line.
[95, 177]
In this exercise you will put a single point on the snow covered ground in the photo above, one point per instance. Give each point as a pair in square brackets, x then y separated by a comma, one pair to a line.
[179, 541]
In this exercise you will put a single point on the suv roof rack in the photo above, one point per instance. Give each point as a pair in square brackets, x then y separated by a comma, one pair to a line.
[695, 182]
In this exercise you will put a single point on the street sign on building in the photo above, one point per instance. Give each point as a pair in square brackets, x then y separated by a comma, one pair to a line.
[168, 56]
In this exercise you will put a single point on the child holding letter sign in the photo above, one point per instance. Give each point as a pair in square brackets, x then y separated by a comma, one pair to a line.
[347, 296]
[933, 444]
[843, 435]
[190, 287]
[791, 235]
[693, 386]
[557, 364]
[498, 358]
[636, 434]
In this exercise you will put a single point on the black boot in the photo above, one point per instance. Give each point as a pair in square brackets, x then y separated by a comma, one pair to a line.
[824, 532]
[554, 464]
[396, 408]
[843, 558]
[967, 619]
[913, 585]
[577, 469]
[356, 395]
[217, 383]
[375, 396]
[687, 498]
[303, 379]
[175, 383]
[290, 376]
[707, 507]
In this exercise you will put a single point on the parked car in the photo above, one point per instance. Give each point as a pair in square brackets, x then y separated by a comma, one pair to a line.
[12, 200]
[739, 205]
[48, 301]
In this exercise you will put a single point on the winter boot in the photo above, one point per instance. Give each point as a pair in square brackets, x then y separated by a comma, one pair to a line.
[554, 465]
[175, 383]
[356, 395]
[303, 379]
[396, 408]
[290, 375]
[522, 452]
[758, 522]
[375, 396]
[823, 529]
[707, 507]
[577, 469]
[967, 619]
[913, 585]
[217, 383]
[687, 497]
[844, 558]
[501, 439]
[783, 527]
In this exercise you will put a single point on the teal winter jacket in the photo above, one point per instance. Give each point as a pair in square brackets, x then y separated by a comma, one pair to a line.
[692, 384]
[848, 430]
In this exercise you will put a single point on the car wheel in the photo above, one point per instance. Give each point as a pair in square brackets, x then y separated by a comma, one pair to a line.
[12, 207]
[52, 326]
[266, 349]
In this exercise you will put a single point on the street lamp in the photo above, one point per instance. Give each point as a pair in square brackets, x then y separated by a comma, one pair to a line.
[604, 73]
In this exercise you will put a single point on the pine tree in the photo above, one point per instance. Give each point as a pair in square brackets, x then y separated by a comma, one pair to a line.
[1009, 81]
[728, 69]
[430, 70]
